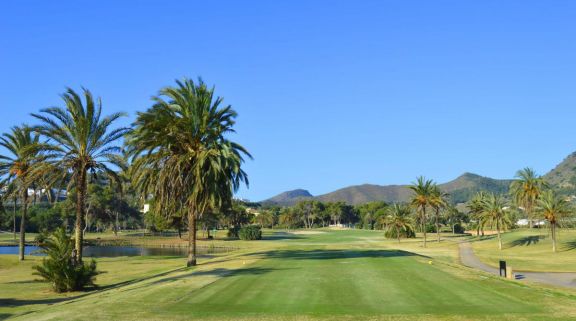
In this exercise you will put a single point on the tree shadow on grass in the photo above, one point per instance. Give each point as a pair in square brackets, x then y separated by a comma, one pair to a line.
[4, 316]
[278, 236]
[481, 238]
[220, 272]
[18, 302]
[334, 254]
[133, 281]
[25, 282]
[526, 241]
[569, 246]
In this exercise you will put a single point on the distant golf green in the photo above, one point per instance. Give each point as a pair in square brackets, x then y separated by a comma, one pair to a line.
[332, 275]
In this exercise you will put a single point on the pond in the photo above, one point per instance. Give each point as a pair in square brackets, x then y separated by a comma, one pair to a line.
[115, 251]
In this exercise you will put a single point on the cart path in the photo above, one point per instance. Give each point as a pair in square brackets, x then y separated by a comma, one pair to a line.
[563, 279]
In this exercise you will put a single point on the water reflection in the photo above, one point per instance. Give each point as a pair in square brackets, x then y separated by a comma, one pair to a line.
[115, 251]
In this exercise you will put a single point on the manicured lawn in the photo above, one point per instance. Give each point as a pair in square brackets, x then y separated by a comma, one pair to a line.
[342, 275]
[531, 250]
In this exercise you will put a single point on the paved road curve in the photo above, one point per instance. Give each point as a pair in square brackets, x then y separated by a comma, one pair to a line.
[564, 279]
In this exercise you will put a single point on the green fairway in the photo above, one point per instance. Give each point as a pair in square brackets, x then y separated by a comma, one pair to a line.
[531, 250]
[333, 275]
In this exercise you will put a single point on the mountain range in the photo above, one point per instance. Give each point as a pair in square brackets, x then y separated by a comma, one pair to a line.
[562, 177]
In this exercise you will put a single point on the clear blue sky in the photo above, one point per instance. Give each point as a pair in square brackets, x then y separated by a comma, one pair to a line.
[329, 93]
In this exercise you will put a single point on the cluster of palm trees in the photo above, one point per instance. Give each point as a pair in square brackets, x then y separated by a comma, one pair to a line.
[529, 194]
[427, 200]
[427, 195]
[176, 151]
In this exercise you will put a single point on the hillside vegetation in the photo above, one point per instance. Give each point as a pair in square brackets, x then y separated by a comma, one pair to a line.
[563, 176]
[460, 190]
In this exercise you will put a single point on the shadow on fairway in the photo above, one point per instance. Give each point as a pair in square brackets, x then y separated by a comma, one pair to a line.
[221, 272]
[4, 316]
[17, 302]
[569, 246]
[334, 254]
[526, 241]
[25, 282]
[81, 294]
[277, 236]
[482, 238]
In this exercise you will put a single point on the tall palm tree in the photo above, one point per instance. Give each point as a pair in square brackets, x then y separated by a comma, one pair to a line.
[526, 190]
[82, 142]
[553, 208]
[494, 213]
[423, 194]
[181, 154]
[16, 170]
[475, 206]
[438, 201]
[398, 219]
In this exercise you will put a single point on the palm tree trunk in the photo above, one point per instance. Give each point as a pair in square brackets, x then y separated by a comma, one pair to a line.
[22, 244]
[553, 230]
[80, 208]
[438, 224]
[499, 238]
[116, 224]
[191, 238]
[398, 234]
[14, 218]
[424, 224]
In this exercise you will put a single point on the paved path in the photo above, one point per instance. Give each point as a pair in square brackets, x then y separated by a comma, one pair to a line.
[564, 279]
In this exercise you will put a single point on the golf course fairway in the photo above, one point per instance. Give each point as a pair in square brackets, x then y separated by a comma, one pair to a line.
[342, 275]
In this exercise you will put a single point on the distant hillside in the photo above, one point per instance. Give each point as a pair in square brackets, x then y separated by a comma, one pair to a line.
[563, 176]
[367, 193]
[464, 187]
[460, 190]
[288, 198]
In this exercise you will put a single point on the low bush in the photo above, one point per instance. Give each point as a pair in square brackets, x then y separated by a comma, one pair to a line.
[61, 268]
[233, 231]
[430, 228]
[405, 234]
[458, 229]
[250, 233]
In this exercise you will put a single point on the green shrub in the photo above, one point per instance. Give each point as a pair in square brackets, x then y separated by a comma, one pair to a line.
[458, 229]
[233, 231]
[430, 228]
[406, 234]
[250, 232]
[61, 268]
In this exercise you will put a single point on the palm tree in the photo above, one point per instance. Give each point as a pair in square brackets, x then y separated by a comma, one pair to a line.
[494, 213]
[398, 219]
[423, 194]
[438, 201]
[553, 208]
[22, 143]
[454, 217]
[81, 143]
[526, 190]
[475, 206]
[181, 155]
